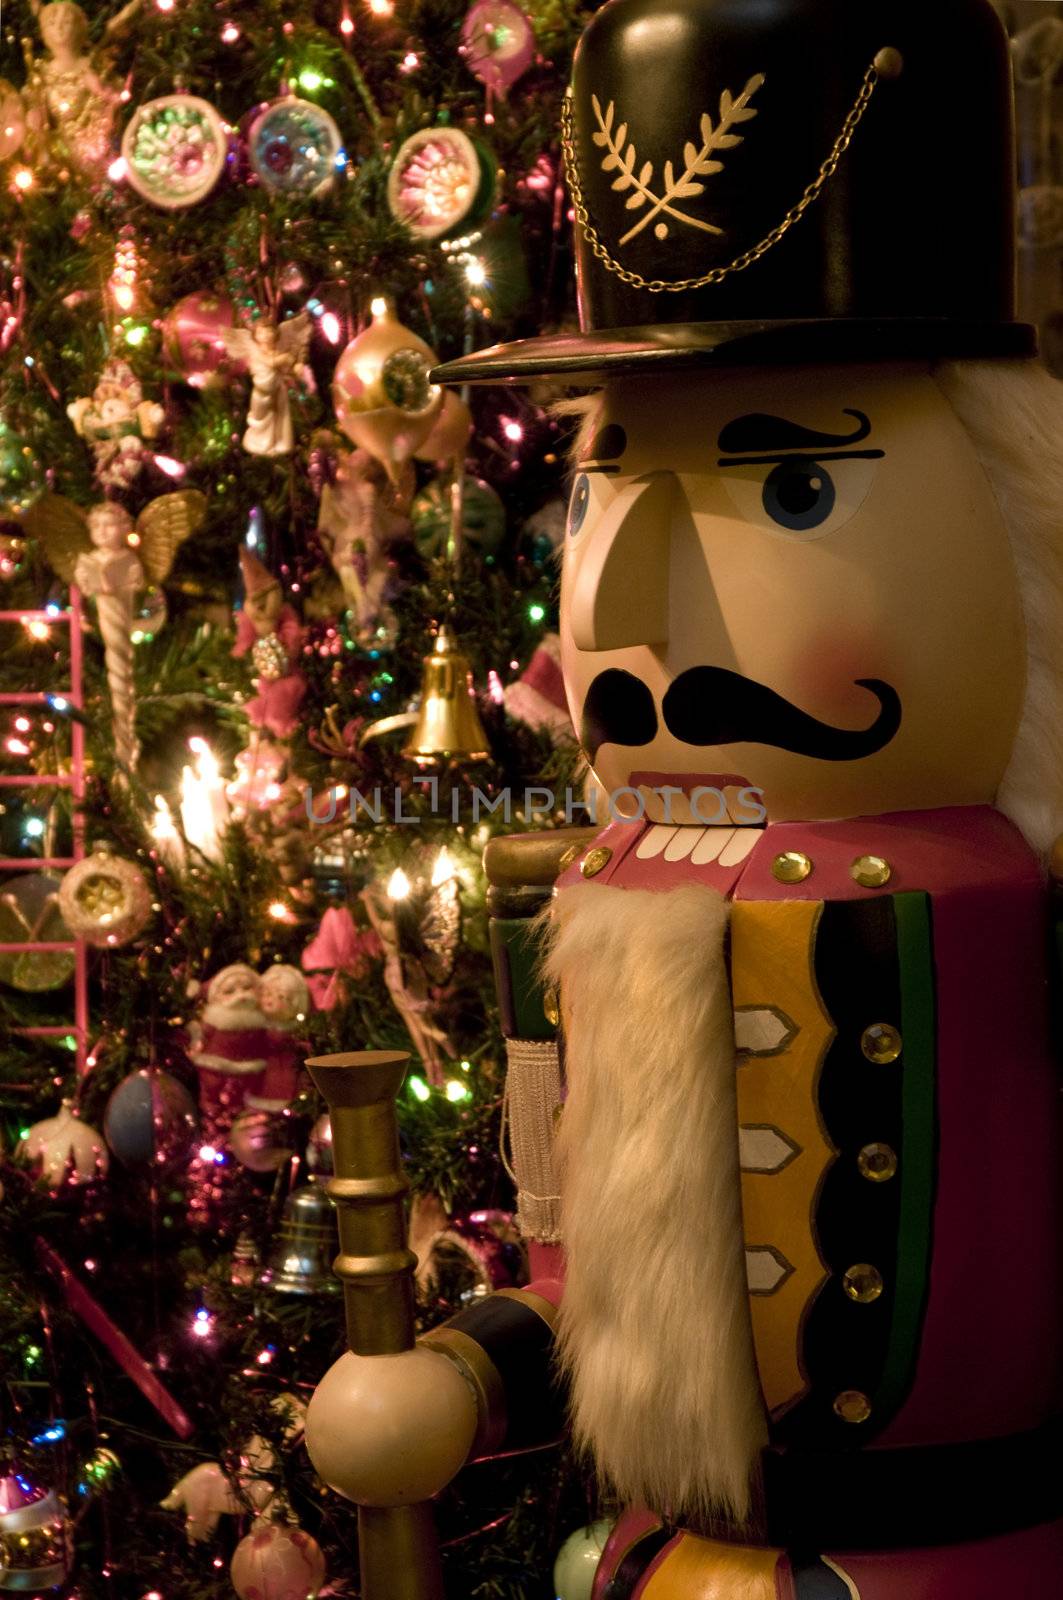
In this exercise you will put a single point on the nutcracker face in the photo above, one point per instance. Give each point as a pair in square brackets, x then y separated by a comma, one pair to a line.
[794, 581]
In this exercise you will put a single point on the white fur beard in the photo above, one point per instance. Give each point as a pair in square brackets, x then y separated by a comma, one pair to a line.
[655, 1333]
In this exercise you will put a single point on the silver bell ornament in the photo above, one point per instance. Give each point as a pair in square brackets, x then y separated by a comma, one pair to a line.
[300, 1259]
[35, 1536]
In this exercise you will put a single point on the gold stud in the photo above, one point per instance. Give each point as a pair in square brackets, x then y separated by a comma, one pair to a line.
[862, 1283]
[881, 1043]
[567, 859]
[871, 872]
[791, 867]
[852, 1406]
[596, 860]
[877, 1163]
[889, 63]
[551, 1009]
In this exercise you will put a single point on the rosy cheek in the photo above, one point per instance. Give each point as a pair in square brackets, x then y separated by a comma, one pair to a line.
[826, 667]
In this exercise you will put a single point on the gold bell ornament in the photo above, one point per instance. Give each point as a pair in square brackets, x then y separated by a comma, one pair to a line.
[383, 398]
[300, 1258]
[448, 723]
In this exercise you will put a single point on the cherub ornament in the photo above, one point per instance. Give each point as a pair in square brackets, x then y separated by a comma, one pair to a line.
[204, 1495]
[269, 629]
[274, 356]
[118, 423]
[93, 550]
[71, 108]
[64, 1151]
[363, 513]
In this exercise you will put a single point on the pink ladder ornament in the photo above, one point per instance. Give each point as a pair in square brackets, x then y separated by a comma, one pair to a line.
[75, 782]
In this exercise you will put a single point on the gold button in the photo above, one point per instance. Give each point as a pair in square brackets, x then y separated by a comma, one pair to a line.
[551, 1009]
[877, 1163]
[862, 1283]
[880, 1043]
[595, 860]
[852, 1406]
[791, 867]
[871, 872]
[567, 859]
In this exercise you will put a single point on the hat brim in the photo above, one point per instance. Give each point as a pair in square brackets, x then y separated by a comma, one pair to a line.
[587, 359]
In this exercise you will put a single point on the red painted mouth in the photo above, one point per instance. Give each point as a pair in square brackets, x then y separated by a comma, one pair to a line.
[689, 781]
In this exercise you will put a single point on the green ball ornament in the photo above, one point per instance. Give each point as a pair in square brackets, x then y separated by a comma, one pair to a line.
[483, 517]
[21, 474]
[577, 1561]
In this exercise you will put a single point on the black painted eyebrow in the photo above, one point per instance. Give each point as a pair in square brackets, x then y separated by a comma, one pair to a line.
[764, 433]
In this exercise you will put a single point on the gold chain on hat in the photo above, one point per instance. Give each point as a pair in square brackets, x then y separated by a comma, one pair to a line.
[885, 65]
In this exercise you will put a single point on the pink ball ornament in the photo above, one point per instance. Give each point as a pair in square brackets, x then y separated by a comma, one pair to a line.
[277, 1562]
[498, 43]
[192, 338]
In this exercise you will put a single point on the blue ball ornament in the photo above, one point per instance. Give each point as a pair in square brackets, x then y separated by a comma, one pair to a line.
[150, 1121]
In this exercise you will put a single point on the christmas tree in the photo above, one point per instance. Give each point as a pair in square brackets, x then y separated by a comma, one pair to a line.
[236, 517]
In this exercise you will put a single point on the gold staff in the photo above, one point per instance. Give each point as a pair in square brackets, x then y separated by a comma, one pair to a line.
[413, 1396]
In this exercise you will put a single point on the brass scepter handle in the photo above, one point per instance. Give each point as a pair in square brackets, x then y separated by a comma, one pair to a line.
[398, 1551]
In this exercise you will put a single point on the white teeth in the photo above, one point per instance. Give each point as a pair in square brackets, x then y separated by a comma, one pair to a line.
[681, 844]
[738, 846]
[710, 844]
[653, 842]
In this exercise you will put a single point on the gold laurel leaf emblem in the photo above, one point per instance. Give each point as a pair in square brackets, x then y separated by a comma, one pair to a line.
[699, 161]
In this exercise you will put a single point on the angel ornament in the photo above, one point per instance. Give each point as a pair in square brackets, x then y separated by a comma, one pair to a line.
[273, 356]
[118, 422]
[362, 515]
[71, 108]
[92, 550]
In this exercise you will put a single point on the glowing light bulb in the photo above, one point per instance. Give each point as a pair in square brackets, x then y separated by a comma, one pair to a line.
[536, 613]
[34, 827]
[346, 25]
[22, 724]
[419, 1089]
[378, 306]
[475, 273]
[381, 8]
[38, 629]
[118, 169]
[204, 807]
[230, 33]
[398, 885]
[410, 62]
[513, 430]
[23, 179]
[444, 869]
[330, 327]
[281, 912]
[172, 468]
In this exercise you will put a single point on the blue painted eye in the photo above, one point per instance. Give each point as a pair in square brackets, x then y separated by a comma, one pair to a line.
[799, 494]
[577, 507]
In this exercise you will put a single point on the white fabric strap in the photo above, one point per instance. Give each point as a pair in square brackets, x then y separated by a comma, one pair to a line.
[530, 1108]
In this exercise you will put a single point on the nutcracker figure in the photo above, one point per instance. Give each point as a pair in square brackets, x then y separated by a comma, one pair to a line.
[806, 1174]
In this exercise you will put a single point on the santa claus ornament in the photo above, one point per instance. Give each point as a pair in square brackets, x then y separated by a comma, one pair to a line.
[811, 625]
[228, 1049]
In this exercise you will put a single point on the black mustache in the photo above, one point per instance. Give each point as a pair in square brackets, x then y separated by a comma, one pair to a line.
[712, 706]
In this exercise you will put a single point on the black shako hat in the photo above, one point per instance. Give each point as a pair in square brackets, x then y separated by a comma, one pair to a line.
[781, 181]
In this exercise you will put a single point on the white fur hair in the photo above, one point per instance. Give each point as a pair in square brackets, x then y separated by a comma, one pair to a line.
[655, 1333]
[1013, 414]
